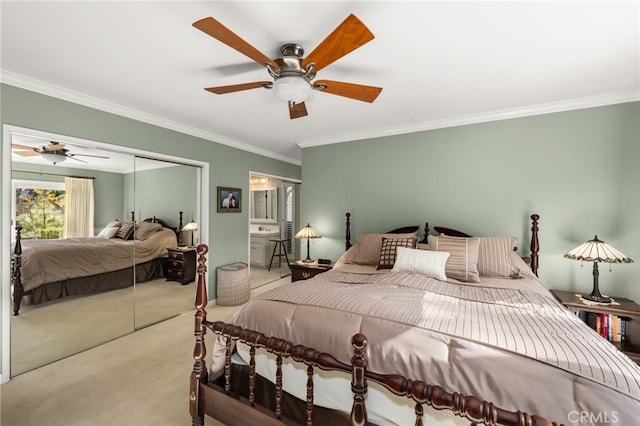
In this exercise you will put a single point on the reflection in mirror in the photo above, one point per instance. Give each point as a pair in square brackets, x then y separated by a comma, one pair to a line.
[60, 316]
[167, 192]
[264, 205]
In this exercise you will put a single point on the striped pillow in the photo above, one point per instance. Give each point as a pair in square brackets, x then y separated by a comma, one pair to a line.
[462, 264]
[125, 231]
[388, 251]
[494, 257]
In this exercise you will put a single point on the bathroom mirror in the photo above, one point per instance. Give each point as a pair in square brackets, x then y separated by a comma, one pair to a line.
[264, 205]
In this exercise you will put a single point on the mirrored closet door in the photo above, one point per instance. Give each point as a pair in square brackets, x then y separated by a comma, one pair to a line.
[151, 270]
[168, 192]
[61, 314]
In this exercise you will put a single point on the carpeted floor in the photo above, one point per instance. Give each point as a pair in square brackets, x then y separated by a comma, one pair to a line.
[42, 334]
[47, 333]
[137, 380]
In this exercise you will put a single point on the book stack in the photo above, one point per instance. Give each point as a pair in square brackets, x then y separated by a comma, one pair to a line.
[611, 327]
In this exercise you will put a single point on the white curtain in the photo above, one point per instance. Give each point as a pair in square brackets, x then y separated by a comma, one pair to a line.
[78, 210]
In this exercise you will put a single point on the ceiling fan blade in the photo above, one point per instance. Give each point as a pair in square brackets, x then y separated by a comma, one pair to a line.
[27, 153]
[220, 90]
[349, 90]
[347, 37]
[87, 155]
[297, 110]
[28, 148]
[221, 33]
[77, 159]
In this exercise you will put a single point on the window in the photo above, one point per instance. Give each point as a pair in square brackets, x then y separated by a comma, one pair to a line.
[39, 208]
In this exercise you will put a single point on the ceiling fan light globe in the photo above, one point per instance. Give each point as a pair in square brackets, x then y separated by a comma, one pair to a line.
[292, 89]
[54, 158]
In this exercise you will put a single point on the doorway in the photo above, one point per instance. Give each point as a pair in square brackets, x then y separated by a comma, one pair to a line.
[273, 220]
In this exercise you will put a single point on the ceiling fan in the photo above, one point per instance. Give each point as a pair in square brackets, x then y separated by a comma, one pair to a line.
[54, 152]
[292, 73]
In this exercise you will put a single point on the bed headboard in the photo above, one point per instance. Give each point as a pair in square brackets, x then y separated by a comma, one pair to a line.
[532, 260]
[402, 230]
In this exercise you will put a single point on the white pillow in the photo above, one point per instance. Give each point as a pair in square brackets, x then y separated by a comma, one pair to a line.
[429, 263]
[108, 232]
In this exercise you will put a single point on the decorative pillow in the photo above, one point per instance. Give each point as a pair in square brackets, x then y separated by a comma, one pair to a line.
[429, 263]
[144, 230]
[369, 245]
[388, 250]
[494, 257]
[114, 224]
[125, 230]
[463, 261]
[108, 232]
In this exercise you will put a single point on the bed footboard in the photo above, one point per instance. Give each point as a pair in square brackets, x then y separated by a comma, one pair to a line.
[221, 402]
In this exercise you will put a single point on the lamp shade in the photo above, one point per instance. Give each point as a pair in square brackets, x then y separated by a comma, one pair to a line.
[308, 232]
[191, 226]
[597, 251]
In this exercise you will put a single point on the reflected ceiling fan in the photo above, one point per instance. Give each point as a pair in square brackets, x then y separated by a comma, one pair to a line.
[292, 74]
[54, 152]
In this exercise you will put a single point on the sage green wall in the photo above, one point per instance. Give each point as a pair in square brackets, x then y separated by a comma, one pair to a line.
[228, 237]
[107, 188]
[164, 193]
[578, 170]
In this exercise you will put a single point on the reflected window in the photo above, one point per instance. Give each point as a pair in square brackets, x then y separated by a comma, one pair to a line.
[40, 209]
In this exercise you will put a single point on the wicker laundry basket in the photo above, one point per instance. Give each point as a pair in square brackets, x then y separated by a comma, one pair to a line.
[233, 284]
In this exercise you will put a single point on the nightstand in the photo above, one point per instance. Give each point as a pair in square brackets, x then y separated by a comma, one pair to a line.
[304, 271]
[181, 264]
[627, 309]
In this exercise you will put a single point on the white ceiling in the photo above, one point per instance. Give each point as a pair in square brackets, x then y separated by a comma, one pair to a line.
[439, 63]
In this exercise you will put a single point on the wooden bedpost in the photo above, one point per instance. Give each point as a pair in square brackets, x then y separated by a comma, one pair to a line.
[133, 216]
[347, 236]
[179, 233]
[425, 238]
[16, 275]
[199, 374]
[535, 245]
[358, 380]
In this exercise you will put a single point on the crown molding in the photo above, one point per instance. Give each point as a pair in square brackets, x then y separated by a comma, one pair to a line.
[547, 108]
[39, 86]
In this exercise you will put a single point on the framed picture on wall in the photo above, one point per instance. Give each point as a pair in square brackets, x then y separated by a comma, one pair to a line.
[229, 200]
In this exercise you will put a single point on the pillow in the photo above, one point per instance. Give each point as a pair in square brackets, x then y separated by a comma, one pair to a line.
[388, 250]
[429, 263]
[108, 232]
[494, 257]
[144, 230]
[369, 245]
[114, 224]
[125, 230]
[463, 260]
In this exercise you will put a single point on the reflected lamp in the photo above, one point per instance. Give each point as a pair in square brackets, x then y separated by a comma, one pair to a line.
[191, 227]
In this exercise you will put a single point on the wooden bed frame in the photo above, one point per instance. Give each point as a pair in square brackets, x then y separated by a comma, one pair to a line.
[101, 279]
[218, 400]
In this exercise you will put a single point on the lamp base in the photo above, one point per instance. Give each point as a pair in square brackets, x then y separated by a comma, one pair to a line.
[598, 298]
[308, 260]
